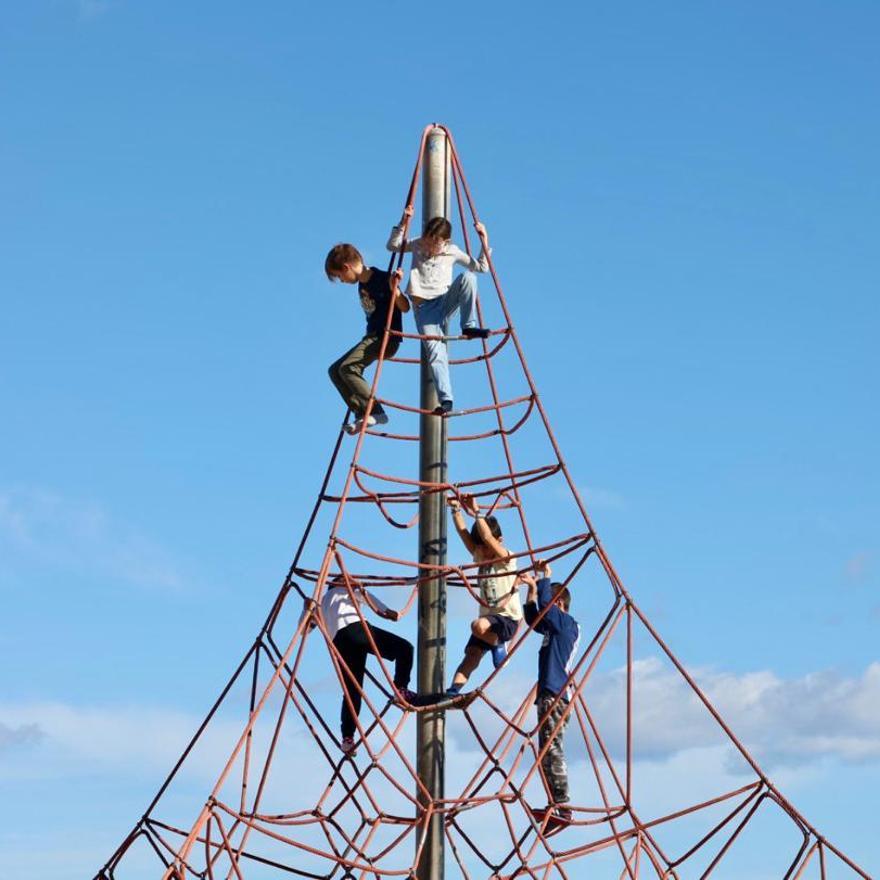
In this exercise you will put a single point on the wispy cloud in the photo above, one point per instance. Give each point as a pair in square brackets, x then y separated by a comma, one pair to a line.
[607, 499]
[22, 735]
[781, 721]
[132, 742]
[44, 530]
[88, 9]
[858, 567]
[102, 736]
[594, 497]
[144, 741]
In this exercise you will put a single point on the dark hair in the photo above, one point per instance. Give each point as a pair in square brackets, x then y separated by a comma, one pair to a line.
[438, 227]
[564, 596]
[494, 528]
[339, 255]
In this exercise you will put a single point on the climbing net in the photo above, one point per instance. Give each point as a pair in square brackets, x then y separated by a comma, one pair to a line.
[288, 801]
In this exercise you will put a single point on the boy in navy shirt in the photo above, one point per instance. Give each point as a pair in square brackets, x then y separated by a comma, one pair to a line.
[558, 650]
[344, 263]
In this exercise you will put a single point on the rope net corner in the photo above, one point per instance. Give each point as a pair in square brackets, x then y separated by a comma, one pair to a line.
[264, 788]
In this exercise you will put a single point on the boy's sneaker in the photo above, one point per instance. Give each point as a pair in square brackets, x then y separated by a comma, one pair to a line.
[381, 417]
[444, 408]
[355, 426]
[561, 813]
[348, 747]
[475, 332]
[499, 654]
[554, 815]
[453, 690]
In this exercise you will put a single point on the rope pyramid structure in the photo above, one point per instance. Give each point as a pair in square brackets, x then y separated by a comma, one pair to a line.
[288, 802]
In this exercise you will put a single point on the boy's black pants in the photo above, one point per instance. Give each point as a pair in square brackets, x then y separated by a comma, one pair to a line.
[354, 646]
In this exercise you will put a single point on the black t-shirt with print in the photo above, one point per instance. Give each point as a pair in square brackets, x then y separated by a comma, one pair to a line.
[376, 299]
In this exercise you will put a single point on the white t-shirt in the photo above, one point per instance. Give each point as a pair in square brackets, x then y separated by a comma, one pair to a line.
[430, 276]
[496, 582]
[339, 611]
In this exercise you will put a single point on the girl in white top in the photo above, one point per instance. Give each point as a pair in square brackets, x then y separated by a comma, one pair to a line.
[436, 296]
[500, 608]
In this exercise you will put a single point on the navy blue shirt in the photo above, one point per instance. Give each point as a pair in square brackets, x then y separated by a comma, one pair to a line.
[561, 636]
[376, 299]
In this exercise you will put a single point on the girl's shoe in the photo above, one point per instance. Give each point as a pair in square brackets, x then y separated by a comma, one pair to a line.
[348, 747]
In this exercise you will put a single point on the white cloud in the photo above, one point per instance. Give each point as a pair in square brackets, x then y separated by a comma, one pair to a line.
[137, 742]
[781, 721]
[44, 529]
[793, 727]
[149, 739]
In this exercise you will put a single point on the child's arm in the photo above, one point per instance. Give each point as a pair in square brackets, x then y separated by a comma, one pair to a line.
[377, 605]
[308, 614]
[530, 608]
[532, 584]
[380, 608]
[395, 240]
[400, 301]
[545, 597]
[481, 264]
[460, 525]
[499, 551]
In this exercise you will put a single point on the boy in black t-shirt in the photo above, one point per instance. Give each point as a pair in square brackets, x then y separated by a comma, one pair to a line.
[344, 263]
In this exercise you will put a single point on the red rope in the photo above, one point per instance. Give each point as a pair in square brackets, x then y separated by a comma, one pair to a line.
[348, 832]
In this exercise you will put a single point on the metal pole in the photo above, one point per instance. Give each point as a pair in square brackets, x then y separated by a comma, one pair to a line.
[430, 732]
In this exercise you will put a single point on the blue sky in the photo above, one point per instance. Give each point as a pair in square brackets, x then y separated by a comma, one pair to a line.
[682, 200]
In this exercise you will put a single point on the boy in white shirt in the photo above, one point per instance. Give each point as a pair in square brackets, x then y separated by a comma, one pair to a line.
[349, 635]
[436, 297]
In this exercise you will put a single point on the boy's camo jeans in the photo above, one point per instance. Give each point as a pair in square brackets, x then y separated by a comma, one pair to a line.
[553, 762]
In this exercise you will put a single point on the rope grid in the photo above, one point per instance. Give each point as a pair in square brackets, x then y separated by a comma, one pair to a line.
[370, 818]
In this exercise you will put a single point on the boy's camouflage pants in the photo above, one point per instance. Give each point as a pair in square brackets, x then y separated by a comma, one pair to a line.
[553, 762]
